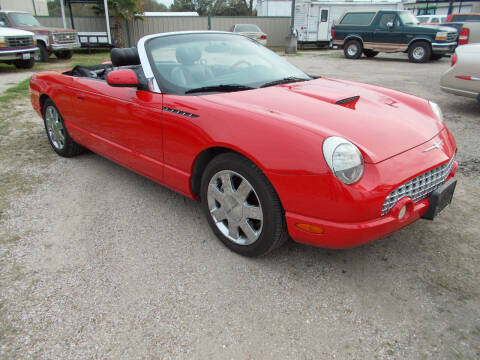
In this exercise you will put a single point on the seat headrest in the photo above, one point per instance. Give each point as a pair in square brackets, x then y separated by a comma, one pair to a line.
[124, 56]
[187, 55]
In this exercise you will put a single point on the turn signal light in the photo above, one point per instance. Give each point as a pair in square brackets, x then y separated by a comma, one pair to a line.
[263, 37]
[464, 35]
[315, 229]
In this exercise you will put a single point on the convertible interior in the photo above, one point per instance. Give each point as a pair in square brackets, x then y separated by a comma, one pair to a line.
[189, 70]
[121, 58]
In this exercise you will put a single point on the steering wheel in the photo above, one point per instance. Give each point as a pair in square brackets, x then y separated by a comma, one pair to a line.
[240, 62]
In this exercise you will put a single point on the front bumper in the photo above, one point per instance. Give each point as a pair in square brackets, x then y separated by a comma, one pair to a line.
[338, 235]
[68, 46]
[443, 48]
[16, 54]
[350, 215]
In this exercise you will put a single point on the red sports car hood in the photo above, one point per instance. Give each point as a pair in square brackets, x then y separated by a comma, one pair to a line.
[383, 122]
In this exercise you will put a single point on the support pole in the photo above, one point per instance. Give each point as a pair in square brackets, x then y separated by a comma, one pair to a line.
[62, 8]
[34, 8]
[71, 14]
[107, 19]
[291, 39]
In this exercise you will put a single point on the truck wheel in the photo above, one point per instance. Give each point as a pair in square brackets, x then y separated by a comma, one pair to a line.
[369, 53]
[43, 54]
[64, 55]
[419, 52]
[436, 56]
[353, 49]
[24, 64]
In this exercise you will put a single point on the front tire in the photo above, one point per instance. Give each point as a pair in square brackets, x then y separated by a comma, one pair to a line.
[241, 206]
[43, 54]
[57, 133]
[64, 55]
[24, 64]
[353, 49]
[419, 52]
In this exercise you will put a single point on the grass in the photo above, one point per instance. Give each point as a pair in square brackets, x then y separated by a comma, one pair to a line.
[19, 90]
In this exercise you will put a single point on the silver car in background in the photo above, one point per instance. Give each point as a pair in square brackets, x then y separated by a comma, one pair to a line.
[463, 77]
[252, 31]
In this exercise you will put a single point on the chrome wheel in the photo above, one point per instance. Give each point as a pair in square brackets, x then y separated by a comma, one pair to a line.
[54, 125]
[235, 207]
[352, 49]
[418, 53]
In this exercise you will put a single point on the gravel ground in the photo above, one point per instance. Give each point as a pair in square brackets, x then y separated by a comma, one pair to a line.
[98, 262]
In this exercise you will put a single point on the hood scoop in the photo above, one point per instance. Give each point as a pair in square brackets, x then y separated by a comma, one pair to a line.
[349, 102]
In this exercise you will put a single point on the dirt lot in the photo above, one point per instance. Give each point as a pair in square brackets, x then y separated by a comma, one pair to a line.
[98, 262]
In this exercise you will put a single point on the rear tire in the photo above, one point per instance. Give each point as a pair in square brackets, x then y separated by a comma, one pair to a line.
[57, 133]
[241, 206]
[419, 52]
[24, 64]
[353, 49]
[369, 53]
[64, 55]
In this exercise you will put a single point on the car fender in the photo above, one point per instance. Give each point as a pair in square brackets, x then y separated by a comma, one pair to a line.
[353, 36]
[420, 38]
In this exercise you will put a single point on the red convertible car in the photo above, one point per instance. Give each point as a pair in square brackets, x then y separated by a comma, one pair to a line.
[269, 150]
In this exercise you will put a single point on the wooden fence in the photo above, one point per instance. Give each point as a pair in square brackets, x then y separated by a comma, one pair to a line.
[277, 28]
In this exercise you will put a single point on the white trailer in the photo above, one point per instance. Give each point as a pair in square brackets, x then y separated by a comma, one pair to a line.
[313, 20]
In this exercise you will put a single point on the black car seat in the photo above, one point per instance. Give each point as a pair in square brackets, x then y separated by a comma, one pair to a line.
[124, 56]
[190, 72]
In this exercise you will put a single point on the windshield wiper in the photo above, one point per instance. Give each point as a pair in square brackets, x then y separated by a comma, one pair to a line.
[286, 80]
[220, 88]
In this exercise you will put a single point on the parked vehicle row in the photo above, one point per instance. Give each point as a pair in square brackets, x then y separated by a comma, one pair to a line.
[58, 41]
[371, 32]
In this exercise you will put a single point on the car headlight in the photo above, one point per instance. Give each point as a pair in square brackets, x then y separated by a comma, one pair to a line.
[441, 35]
[3, 42]
[436, 110]
[344, 159]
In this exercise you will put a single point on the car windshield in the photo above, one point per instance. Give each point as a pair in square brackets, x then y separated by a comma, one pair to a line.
[247, 28]
[21, 19]
[408, 18]
[219, 62]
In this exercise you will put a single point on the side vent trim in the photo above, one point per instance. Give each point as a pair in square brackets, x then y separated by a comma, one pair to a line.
[179, 112]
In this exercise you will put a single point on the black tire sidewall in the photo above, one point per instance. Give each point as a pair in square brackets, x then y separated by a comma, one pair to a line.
[425, 46]
[273, 218]
[64, 55]
[44, 54]
[24, 64]
[358, 54]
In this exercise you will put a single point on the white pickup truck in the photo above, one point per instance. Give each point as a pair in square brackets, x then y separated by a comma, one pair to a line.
[17, 47]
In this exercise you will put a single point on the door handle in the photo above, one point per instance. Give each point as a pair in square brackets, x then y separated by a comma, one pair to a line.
[79, 97]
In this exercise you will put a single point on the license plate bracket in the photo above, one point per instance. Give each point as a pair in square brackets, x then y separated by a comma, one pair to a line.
[440, 199]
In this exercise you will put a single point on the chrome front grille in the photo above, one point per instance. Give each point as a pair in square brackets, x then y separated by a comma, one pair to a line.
[19, 41]
[68, 37]
[452, 36]
[419, 187]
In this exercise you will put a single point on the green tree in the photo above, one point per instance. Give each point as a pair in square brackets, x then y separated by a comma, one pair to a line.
[152, 5]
